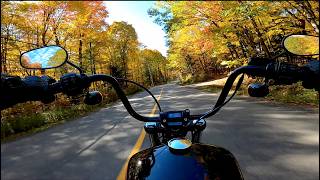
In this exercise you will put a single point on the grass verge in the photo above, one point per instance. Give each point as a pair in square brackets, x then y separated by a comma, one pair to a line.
[26, 124]
[294, 94]
[32, 117]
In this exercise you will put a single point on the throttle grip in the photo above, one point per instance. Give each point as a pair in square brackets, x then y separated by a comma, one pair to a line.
[284, 73]
[31, 88]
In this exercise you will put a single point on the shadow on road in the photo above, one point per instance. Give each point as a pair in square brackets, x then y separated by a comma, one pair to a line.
[270, 141]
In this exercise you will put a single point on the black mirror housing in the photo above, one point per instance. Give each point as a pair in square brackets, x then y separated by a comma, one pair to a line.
[258, 90]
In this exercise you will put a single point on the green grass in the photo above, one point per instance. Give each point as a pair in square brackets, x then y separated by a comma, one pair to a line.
[29, 118]
[25, 124]
[293, 94]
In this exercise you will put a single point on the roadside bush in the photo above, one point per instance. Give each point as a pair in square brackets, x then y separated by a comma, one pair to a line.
[200, 77]
[295, 93]
[187, 79]
[5, 129]
[25, 123]
[35, 116]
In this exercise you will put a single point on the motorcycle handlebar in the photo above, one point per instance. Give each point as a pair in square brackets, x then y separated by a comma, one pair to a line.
[286, 73]
[249, 70]
[71, 84]
[115, 84]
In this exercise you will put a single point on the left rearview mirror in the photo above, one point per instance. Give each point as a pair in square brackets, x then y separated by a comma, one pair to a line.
[44, 58]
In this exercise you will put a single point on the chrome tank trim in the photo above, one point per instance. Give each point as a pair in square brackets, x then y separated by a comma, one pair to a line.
[179, 144]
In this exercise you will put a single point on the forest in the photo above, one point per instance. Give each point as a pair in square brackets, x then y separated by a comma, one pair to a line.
[206, 40]
[92, 44]
[209, 37]
[81, 29]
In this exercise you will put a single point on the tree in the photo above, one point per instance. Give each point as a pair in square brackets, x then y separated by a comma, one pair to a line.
[208, 36]
[88, 24]
[154, 66]
[124, 43]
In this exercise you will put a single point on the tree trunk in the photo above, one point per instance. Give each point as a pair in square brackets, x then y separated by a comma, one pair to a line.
[56, 36]
[91, 59]
[80, 51]
[4, 50]
[202, 65]
[189, 64]
[264, 46]
[150, 74]
[38, 37]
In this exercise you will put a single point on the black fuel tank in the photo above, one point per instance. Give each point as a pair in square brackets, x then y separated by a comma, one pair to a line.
[199, 162]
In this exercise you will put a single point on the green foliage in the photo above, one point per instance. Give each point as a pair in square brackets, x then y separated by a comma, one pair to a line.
[80, 28]
[25, 123]
[188, 79]
[28, 122]
[294, 94]
[37, 117]
[57, 59]
[212, 36]
[97, 47]
[154, 67]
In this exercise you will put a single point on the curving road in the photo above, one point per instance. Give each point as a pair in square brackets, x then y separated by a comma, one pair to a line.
[270, 141]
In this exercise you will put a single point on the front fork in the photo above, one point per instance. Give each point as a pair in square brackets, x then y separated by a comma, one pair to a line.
[196, 136]
[154, 139]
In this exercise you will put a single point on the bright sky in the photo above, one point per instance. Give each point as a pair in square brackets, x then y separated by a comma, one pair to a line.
[135, 13]
[42, 55]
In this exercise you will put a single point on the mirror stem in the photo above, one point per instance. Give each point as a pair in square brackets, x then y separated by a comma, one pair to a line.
[280, 54]
[75, 66]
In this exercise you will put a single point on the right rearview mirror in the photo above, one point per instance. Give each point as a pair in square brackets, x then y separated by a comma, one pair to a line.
[301, 45]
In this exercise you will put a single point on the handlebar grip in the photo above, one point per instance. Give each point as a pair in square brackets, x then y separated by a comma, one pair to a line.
[31, 88]
[37, 89]
[284, 73]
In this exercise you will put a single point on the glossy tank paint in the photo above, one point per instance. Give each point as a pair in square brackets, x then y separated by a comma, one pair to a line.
[199, 162]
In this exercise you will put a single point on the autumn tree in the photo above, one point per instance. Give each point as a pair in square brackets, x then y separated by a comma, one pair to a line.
[154, 66]
[122, 48]
[88, 25]
[207, 37]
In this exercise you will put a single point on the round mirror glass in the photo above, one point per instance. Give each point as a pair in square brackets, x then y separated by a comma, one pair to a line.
[302, 45]
[44, 58]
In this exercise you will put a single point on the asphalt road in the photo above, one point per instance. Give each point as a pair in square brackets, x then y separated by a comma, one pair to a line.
[270, 141]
